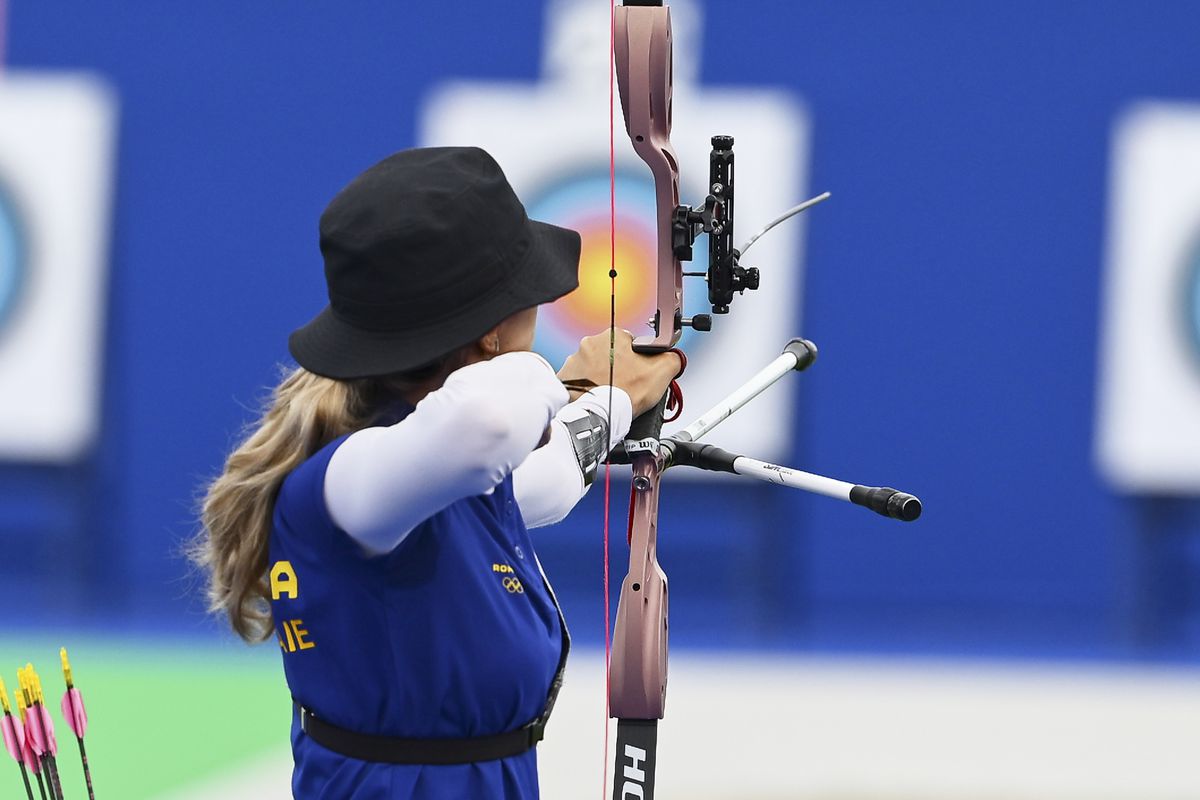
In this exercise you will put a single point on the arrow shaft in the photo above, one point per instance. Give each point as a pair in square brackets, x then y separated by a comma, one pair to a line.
[25, 777]
[87, 771]
[52, 777]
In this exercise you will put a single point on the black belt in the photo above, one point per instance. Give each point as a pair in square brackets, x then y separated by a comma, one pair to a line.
[395, 750]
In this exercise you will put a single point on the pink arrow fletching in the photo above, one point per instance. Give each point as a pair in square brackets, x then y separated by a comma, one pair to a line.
[31, 759]
[48, 729]
[74, 712]
[35, 737]
[14, 737]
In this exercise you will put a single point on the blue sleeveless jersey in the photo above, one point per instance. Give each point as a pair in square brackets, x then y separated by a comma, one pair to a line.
[454, 634]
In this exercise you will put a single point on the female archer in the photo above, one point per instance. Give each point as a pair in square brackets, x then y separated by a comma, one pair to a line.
[374, 520]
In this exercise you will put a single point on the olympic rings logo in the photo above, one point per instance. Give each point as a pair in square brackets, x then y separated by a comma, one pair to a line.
[513, 586]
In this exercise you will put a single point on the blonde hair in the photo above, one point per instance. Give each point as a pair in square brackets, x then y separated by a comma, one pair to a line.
[303, 414]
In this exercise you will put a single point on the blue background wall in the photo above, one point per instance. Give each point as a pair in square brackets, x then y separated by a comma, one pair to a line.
[953, 287]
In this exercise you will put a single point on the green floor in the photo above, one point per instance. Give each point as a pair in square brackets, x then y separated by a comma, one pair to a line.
[161, 715]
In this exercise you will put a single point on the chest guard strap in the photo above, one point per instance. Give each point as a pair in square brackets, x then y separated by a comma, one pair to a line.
[394, 750]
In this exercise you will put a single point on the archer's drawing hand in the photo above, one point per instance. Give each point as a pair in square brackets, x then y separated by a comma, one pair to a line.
[644, 378]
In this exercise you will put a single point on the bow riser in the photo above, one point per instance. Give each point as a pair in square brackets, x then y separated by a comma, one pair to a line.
[643, 63]
[638, 664]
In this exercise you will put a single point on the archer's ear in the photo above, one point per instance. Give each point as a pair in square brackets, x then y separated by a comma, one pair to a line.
[489, 343]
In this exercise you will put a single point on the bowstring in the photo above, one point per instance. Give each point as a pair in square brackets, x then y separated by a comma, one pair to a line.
[612, 333]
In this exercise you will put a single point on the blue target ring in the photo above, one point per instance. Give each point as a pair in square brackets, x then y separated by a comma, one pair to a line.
[12, 257]
[1191, 301]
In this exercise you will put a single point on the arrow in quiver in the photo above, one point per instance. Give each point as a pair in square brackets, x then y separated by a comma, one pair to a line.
[14, 738]
[39, 729]
[29, 755]
[76, 717]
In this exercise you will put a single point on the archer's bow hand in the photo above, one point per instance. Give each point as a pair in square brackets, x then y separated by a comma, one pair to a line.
[644, 377]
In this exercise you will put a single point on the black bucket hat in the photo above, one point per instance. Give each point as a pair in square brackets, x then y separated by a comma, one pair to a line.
[424, 252]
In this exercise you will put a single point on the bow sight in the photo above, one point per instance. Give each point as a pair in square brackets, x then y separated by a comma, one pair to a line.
[725, 275]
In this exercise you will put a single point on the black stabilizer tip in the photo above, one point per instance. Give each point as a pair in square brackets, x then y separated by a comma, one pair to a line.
[887, 501]
[904, 507]
[804, 351]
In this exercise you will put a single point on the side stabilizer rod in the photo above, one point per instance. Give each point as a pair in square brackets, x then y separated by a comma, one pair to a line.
[798, 355]
[881, 499]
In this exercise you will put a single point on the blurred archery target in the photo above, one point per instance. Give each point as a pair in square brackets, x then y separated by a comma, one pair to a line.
[1191, 296]
[12, 257]
[582, 204]
[1149, 373]
[550, 133]
[57, 147]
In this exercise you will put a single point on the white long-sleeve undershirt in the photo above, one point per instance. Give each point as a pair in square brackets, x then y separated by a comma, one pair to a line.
[462, 440]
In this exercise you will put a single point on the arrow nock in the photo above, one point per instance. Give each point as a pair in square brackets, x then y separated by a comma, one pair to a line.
[35, 685]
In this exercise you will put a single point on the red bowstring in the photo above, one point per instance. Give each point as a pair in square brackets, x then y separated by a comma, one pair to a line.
[612, 326]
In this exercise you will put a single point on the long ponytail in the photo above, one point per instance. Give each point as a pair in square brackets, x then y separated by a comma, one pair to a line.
[305, 412]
